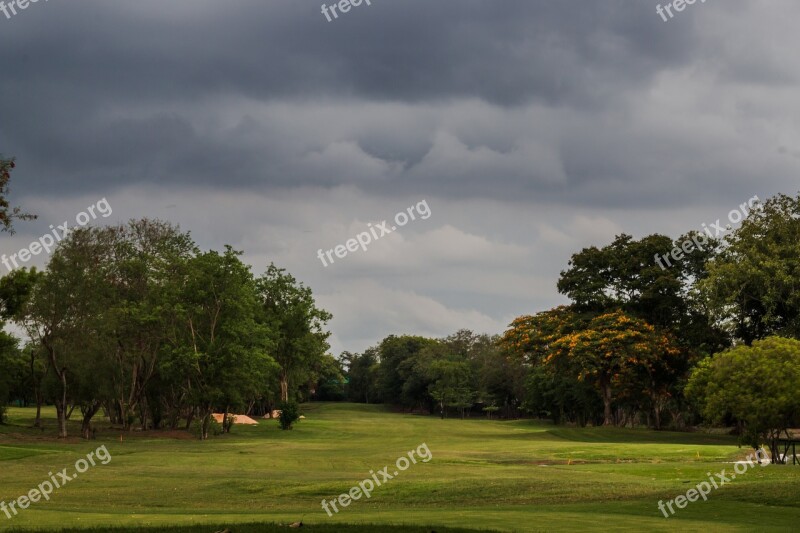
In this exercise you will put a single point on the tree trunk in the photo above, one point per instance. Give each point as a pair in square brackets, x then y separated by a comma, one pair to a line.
[205, 425]
[86, 422]
[608, 417]
[123, 413]
[61, 402]
[775, 451]
[284, 386]
[37, 392]
[62, 422]
[144, 410]
[190, 418]
[61, 407]
[226, 427]
[37, 423]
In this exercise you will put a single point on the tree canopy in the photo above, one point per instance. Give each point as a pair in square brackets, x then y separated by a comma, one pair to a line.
[758, 386]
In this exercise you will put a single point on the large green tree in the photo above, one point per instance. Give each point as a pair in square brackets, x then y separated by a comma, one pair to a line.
[752, 286]
[361, 372]
[224, 347]
[402, 379]
[756, 386]
[13, 371]
[61, 313]
[289, 310]
[146, 269]
[11, 297]
[627, 275]
[451, 384]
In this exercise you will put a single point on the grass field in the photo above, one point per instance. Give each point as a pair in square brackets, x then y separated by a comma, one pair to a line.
[491, 475]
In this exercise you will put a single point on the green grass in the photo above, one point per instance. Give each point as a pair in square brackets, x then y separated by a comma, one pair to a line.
[267, 528]
[491, 475]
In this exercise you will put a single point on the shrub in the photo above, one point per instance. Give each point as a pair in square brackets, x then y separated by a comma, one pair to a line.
[290, 413]
[214, 427]
[755, 385]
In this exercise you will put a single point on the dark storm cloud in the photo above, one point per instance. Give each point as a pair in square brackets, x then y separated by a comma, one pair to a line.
[507, 53]
[76, 72]
[519, 100]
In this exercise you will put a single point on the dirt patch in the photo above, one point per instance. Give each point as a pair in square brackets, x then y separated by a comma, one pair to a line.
[237, 419]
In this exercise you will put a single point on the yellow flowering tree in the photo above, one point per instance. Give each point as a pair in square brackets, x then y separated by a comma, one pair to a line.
[618, 355]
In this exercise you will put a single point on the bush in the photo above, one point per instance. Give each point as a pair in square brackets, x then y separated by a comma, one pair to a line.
[755, 385]
[290, 413]
[214, 427]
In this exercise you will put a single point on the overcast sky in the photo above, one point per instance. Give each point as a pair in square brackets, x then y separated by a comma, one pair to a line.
[531, 128]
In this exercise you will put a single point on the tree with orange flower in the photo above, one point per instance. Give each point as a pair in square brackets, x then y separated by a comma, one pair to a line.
[615, 353]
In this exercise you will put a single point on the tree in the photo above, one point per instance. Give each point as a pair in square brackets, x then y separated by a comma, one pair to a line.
[644, 280]
[134, 319]
[551, 387]
[756, 385]
[401, 380]
[101, 312]
[614, 353]
[147, 264]
[627, 275]
[224, 347]
[361, 370]
[38, 372]
[327, 380]
[60, 313]
[451, 384]
[9, 214]
[289, 414]
[15, 290]
[12, 371]
[752, 285]
[497, 379]
[289, 310]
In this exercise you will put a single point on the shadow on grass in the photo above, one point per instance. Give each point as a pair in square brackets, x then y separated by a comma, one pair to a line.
[260, 528]
[638, 436]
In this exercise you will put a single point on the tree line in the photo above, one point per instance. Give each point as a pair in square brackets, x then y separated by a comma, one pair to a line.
[135, 320]
[633, 336]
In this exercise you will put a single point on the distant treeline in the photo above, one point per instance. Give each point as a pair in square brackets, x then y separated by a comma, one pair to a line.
[135, 321]
[624, 350]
